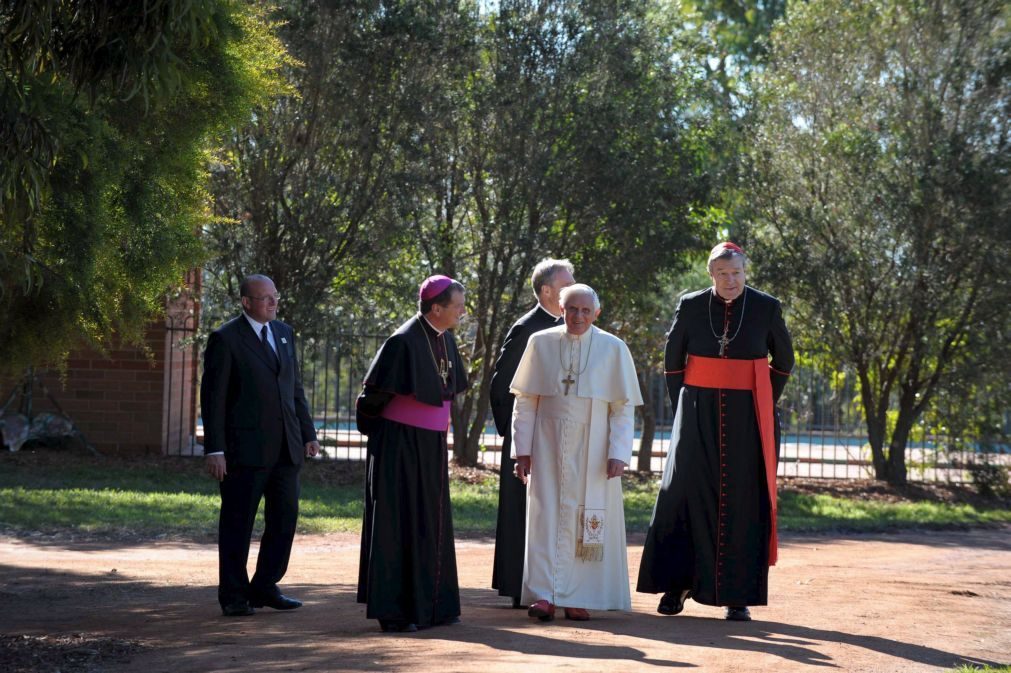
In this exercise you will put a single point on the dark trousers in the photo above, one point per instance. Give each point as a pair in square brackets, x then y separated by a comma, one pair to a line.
[241, 491]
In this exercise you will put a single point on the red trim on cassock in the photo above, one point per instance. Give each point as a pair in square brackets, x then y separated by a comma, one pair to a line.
[680, 371]
[753, 375]
[779, 372]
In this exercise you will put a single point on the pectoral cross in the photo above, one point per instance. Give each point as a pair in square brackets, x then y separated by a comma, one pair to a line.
[723, 341]
[444, 372]
[568, 381]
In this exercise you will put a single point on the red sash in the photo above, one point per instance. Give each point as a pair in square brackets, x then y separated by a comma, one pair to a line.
[753, 375]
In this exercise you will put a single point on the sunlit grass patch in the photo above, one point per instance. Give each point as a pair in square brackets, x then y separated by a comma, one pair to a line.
[58, 494]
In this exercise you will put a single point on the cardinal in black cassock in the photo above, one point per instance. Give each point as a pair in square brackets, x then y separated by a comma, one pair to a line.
[712, 536]
[407, 575]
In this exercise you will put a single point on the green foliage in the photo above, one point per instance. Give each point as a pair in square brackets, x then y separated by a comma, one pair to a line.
[108, 117]
[806, 512]
[879, 193]
[474, 141]
[991, 479]
[303, 189]
[574, 137]
[738, 31]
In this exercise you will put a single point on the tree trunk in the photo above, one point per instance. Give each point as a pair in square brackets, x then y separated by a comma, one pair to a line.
[477, 427]
[876, 436]
[643, 464]
[460, 444]
[900, 438]
[876, 427]
[646, 442]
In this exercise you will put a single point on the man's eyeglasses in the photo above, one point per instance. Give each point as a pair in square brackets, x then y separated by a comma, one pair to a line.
[269, 298]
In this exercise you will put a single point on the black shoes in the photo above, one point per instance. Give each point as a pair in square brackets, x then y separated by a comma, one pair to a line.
[278, 602]
[395, 626]
[738, 614]
[673, 602]
[237, 609]
[243, 607]
[401, 626]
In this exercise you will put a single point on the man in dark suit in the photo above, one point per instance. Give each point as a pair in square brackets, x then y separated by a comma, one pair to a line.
[547, 280]
[257, 428]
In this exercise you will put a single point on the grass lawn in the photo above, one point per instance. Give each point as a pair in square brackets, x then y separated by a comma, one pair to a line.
[48, 492]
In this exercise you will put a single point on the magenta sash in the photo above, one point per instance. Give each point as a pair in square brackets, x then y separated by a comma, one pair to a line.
[409, 411]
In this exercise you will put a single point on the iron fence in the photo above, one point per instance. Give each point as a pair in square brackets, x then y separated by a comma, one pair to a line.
[179, 397]
[333, 368]
[823, 434]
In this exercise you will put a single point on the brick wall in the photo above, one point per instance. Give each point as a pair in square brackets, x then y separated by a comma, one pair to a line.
[134, 400]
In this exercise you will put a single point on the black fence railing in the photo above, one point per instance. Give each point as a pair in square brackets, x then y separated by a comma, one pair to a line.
[333, 369]
[179, 400]
[823, 432]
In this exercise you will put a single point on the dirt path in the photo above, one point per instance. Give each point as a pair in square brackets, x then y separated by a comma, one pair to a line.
[921, 601]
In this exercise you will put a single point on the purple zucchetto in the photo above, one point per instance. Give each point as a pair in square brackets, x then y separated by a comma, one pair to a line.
[433, 287]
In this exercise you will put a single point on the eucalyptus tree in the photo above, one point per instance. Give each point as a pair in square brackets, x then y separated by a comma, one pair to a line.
[578, 133]
[881, 198]
[107, 114]
[303, 189]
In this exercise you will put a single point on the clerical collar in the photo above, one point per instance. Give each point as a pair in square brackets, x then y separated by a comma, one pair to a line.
[729, 301]
[553, 316]
[431, 326]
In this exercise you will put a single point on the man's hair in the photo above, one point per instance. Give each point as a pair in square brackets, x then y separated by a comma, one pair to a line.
[545, 272]
[579, 288]
[442, 299]
[244, 286]
[724, 251]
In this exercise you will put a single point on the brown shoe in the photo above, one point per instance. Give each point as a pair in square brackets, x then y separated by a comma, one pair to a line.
[577, 614]
[542, 610]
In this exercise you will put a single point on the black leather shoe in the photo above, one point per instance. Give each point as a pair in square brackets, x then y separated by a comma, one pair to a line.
[396, 626]
[278, 602]
[741, 614]
[238, 609]
[673, 602]
[448, 621]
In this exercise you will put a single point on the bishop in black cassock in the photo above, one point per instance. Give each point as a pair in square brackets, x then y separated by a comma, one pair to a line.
[407, 575]
[712, 535]
[548, 278]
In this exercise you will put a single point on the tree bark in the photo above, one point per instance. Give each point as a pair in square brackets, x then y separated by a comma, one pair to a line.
[897, 471]
[876, 426]
[643, 464]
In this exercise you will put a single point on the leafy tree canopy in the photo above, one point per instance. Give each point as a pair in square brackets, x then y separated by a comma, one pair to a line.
[108, 113]
[880, 196]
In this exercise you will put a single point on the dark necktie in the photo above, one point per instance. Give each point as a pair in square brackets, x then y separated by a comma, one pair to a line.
[266, 345]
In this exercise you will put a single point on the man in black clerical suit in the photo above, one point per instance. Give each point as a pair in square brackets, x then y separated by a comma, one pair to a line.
[727, 360]
[547, 280]
[257, 428]
[407, 574]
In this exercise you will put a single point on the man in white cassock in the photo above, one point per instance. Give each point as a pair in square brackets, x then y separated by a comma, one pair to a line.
[572, 430]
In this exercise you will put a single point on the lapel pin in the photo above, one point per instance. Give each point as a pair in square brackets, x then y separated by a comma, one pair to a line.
[283, 340]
